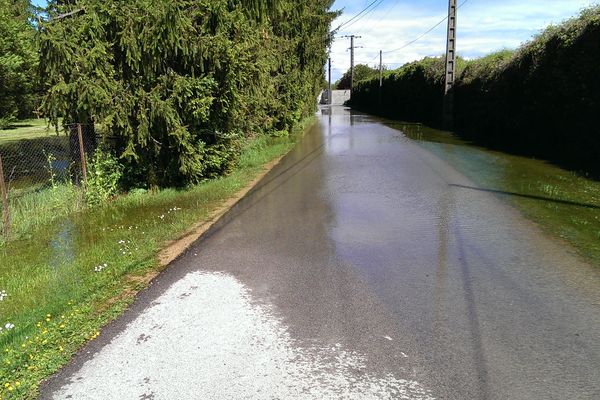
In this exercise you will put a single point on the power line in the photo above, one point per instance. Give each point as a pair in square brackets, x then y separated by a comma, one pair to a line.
[365, 14]
[425, 33]
[360, 13]
[385, 13]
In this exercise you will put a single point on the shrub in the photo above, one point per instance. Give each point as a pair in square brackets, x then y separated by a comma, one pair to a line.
[103, 176]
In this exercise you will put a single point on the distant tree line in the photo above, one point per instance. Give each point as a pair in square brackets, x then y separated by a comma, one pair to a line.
[361, 72]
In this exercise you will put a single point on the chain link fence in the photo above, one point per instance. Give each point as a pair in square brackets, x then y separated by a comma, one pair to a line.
[29, 166]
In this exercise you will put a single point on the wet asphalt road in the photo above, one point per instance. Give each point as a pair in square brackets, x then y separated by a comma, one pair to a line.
[362, 266]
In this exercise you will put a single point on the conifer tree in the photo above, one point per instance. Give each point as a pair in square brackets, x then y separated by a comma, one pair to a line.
[178, 83]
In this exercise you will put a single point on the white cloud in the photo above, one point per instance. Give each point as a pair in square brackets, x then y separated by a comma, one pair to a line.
[483, 26]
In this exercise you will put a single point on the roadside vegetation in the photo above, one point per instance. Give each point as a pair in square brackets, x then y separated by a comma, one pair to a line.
[70, 269]
[540, 100]
[188, 98]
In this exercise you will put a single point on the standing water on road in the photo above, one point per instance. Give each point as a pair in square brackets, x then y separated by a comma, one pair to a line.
[365, 265]
[565, 204]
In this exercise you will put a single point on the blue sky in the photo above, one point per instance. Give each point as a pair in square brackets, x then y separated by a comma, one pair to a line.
[483, 26]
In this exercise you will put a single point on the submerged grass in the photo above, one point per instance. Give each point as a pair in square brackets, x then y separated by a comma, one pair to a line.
[68, 272]
[561, 202]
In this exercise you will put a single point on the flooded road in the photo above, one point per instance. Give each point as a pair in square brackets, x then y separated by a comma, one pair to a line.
[364, 266]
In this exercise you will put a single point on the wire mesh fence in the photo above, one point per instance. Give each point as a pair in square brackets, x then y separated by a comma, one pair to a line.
[30, 166]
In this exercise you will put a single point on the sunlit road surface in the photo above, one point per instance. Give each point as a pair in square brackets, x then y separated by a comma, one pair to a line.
[362, 267]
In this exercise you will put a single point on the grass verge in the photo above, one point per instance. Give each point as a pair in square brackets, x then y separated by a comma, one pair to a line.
[26, 129]
[76, 271]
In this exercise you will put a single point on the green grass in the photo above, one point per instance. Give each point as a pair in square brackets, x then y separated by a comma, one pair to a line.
[26, 129]
[55, 297]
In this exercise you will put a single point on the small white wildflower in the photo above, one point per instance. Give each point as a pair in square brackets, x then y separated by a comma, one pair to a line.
[8, 325]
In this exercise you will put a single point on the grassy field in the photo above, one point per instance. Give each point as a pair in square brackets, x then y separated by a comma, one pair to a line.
[69, 271]
[26, 129]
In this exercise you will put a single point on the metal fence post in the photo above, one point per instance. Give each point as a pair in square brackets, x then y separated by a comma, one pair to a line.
[82, 155]
[5, 210]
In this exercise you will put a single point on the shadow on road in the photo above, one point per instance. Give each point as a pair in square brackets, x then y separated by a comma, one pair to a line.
[528, 196]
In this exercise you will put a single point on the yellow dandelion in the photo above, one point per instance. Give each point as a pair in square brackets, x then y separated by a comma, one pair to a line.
[10, 388]
[61, 348]
[62, 326]
[17, 383]
[47, 319]
[6, 385]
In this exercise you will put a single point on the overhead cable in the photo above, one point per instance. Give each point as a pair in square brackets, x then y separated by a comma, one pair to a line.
[424, 33]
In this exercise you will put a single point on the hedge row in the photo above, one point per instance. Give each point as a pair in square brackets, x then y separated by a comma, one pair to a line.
[541, 100]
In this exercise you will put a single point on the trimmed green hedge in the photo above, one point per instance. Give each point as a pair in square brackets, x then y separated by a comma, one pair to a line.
[541, 100]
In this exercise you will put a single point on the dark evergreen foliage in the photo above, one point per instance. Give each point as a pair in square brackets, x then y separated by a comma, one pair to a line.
[178, 84]
[18, 61]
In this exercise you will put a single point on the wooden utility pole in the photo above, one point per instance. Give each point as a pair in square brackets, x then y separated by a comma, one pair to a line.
[380, 74]
[4, 194]
[448, 110]
[82, 155]
[352, 60]
[380, 68]
[329, 93]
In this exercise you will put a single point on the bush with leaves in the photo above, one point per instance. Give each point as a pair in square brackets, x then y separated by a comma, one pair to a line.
[104, 173]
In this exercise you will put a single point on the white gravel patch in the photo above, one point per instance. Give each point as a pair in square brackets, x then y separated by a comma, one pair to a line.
[205, 339]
